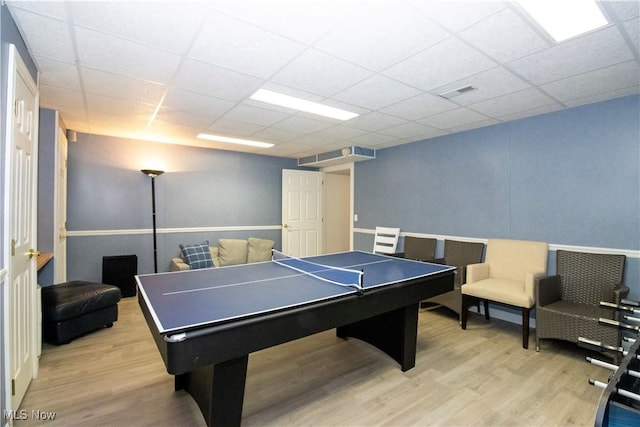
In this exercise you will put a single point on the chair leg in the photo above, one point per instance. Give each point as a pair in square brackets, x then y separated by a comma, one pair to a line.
[525, 328]
[486, 309]
[464, 311]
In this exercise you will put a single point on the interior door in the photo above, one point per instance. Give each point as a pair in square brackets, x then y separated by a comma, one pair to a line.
[22, 134]
[60, 235]
[301, 212]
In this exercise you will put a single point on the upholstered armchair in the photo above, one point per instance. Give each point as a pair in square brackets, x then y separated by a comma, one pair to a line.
[568, 303]
[508, 277]
[457, 254]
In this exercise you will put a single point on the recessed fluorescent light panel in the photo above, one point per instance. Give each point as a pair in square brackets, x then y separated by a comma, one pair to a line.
[567, 18]
[250, 143]
[292, 102]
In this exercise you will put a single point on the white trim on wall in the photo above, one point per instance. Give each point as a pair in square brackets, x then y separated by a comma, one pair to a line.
[91, 233]
[630, 253]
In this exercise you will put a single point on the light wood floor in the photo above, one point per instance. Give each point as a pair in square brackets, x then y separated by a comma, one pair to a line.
[480, 376]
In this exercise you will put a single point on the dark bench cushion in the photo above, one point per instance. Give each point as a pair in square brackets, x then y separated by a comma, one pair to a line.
[71, 299]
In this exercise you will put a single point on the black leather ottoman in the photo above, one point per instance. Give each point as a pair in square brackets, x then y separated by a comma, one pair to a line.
[75, 308]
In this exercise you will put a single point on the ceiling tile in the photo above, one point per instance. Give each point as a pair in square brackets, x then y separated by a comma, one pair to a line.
[189, 120]
[184, 100]
[602, 96]
[196, 76]
[624, 9]
[233, 128]
[105, 104]
[419, 106]
[53, 9]
[259, 116]
[489, 36]
[409, 130]
[233, 44]
[595, 82]
[438, 65]
[299, 123]
[376, 92]
[305, 21]
[390, 29]
[144, 22]
[117, 86]
[56, 73]
[457, 15]
[337, 75]
[120, 56]
[587, 53]
[374, 121]
[516, 102]
[54, 43]
[453, 118]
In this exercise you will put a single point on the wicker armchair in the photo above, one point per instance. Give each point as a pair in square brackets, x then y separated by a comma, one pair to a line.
[418, 248]
[567, 304]
[459, 255]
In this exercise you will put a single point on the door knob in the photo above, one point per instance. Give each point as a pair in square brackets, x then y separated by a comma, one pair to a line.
[33, 253]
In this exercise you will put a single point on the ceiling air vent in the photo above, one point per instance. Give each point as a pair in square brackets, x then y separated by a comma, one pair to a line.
[455, 92]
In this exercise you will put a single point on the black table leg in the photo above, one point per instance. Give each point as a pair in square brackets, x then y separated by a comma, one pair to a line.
[218, 390]
[395, 333]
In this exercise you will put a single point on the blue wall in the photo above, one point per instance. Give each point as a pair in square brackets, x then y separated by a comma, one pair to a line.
[569, 178]
[109, 200]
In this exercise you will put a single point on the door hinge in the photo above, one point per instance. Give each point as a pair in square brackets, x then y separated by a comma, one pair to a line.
[13, 247]
[13, 387]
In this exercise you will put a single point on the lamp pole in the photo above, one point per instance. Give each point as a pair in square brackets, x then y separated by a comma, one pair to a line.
[153, 174]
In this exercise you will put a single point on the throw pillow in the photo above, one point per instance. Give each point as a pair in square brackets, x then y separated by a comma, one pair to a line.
[197, 256]
[259, 249]
[232, 251]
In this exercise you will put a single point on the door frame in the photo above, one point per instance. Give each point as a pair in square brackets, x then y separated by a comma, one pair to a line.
[350, 168]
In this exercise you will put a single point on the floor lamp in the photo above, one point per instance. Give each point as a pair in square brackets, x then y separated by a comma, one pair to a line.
[153, 174]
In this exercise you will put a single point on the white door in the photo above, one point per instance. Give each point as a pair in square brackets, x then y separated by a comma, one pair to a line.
[301, 212]
[60, 234]
[22, 134]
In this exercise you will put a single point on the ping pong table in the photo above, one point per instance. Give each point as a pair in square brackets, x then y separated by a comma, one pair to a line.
[206, 322]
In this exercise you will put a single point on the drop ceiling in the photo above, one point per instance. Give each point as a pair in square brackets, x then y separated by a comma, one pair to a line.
[167, 71]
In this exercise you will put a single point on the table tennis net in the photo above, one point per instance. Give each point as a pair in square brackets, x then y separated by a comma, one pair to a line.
[336, 275]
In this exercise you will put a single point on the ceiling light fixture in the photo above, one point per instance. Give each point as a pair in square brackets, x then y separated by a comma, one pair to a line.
[239, 141]
[567, 18]
[292, 102]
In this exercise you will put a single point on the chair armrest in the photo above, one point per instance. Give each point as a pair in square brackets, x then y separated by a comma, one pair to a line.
[548, 290]
[178, 264]
[477, 272]
[620, 292]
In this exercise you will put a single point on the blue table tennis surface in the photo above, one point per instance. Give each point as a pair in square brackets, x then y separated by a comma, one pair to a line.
[184, 300]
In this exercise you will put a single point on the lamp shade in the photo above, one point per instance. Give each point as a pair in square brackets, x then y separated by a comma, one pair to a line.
[152, 173]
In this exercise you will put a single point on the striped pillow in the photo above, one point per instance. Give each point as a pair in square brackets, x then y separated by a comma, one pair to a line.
[197, 256]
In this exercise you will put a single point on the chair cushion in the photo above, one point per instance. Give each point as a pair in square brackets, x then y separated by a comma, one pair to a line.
[259, 249]
[232, 251]
[197, 256]
[71, 299]
[499, 290]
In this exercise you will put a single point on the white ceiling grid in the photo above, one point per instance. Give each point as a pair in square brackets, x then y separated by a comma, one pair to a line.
[169, 70]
